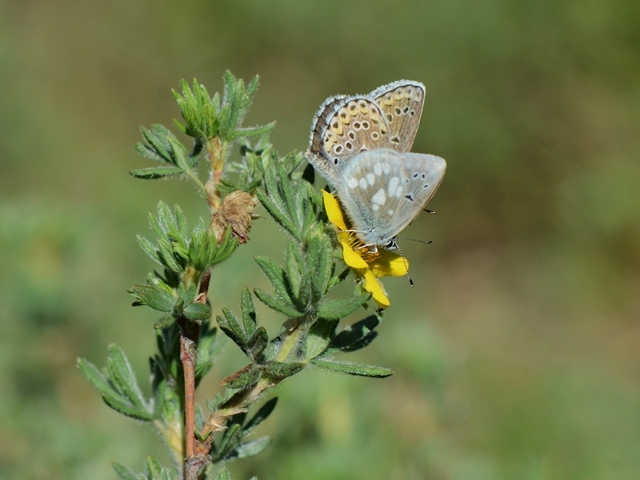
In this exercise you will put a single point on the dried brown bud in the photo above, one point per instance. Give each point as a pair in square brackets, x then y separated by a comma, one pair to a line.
[237, 212]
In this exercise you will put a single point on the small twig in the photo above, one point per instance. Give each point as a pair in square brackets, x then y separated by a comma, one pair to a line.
[239, 402]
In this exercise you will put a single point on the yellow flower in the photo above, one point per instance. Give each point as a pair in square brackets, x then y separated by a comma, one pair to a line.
[367, 263]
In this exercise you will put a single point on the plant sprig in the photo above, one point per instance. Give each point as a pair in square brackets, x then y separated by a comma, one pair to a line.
[302, 290]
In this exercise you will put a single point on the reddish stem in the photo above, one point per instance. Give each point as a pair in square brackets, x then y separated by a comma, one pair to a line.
[189, 335]
[187, 357]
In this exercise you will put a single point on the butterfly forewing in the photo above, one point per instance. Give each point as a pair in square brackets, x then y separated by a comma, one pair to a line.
[356, 126]
[401, 104]
[343, 128]
[383, 191]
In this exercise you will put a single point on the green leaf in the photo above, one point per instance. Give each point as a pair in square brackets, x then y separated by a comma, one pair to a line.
[231, 327]
[155, 471]
[274, 273]
[253, 131]
[156, 147]
[123, 472]
[153, 296]
[197, 312]
[153, 173]
[242, 379]
[223, 474]
[277, 212]
[294, 263]
[94, 375]
[350, 368]
[167, 403]
[340, 308]
[149, 248]
[248, 309]
[123, 378]
[249, 449]
[257, 343]
[164, 322]
[118, 386]
[180, 155]
[319, 336]
[225, 249]
[278, 304]
[280, 370]
[320, 259]
[231, 439]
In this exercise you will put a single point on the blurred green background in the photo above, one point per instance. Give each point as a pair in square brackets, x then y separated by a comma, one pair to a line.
[517, 354]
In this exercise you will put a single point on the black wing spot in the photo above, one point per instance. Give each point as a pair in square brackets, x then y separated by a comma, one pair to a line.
[426, 185]
[395, 140]
[409, 197]
[416, 175]
[424, 175]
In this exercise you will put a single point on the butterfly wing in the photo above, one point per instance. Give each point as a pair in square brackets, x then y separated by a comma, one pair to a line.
[316, 153]
[344, 127]
[401, 104]
[384, 190]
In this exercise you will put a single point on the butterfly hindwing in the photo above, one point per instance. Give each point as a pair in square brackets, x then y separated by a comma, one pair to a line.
[384, 190]
[401, 103]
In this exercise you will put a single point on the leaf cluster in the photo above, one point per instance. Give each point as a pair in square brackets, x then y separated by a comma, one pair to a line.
[185, 256]
[204, 117]
[218, 116]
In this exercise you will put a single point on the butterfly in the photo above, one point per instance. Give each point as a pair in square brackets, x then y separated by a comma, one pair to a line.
[361, 144]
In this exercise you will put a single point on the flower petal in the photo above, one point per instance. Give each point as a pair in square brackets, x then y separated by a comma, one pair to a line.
[374, 286]
[390, 264]
[334, 211]
[351, 257]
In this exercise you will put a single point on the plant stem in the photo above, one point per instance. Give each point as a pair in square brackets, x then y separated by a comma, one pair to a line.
[189, 335]
[188, 352]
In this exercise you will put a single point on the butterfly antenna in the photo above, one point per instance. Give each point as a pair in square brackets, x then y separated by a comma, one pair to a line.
[406, 265]
[426, 242]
